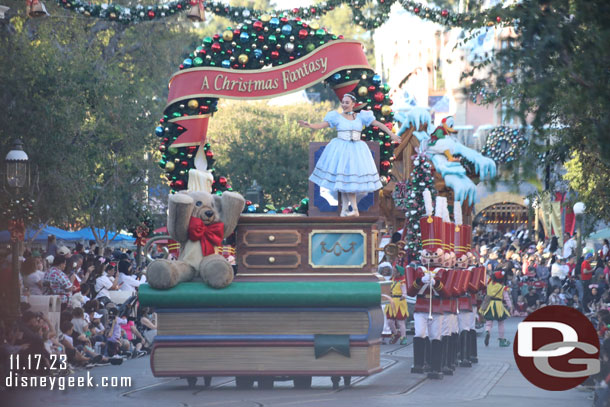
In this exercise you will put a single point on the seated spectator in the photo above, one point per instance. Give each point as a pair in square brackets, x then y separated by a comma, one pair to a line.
[106, 283]
[554, 298]
[591, 299]
[520, 307]
[56, 281]
[126, 279]
[75, 356]
[113, 333]
[135, 338]
[574, 302]
[148, 323]
[34, 327]
[33, 275]
[533, 300]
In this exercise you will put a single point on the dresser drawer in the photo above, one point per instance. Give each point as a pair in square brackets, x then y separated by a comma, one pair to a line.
[271, 238]
[271, 260]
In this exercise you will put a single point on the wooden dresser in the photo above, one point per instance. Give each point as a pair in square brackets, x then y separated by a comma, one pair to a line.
[300, 247]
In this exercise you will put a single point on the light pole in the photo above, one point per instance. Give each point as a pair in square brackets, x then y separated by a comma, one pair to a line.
[579, 209]
[527, 204]
[17, 178]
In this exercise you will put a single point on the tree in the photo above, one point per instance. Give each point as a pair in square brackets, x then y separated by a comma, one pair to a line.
[590, 178]
[553, 73]
[254, 141]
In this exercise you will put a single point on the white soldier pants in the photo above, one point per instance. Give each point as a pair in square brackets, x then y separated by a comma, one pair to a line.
[466, 320]
[449, 324]
[428, 327]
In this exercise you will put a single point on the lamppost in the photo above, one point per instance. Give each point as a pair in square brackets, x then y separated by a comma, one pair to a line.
[579, 209]
[17, 178]
[527, 203]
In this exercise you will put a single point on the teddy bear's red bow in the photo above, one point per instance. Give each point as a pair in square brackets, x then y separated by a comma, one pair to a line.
[210, 236]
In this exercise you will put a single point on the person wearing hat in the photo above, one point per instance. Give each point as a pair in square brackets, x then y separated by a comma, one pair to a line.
[346, 164]
[396, 311]
[64, 251]
[493, 308]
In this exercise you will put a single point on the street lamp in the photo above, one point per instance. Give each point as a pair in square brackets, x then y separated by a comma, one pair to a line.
[579, 209]
[527, 204]
[17, 177]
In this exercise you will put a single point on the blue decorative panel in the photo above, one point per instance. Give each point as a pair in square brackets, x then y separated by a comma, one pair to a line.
[337, 249]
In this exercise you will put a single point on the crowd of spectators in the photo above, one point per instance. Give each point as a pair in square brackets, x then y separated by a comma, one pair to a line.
[543, 273]
[93, 330]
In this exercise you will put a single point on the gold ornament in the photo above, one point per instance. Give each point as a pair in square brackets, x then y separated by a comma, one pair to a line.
[242, 59]
[363, 91]
[169, 167]
[193, 104]
[314, 26]
[265, 18]
[227, 35]
[386, 110]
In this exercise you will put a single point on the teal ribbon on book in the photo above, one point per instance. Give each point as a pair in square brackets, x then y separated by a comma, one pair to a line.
[323, 344]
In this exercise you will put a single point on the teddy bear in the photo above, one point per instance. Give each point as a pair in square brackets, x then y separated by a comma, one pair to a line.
[199, 221]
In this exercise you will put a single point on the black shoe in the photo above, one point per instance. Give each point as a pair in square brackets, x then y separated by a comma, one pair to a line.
[435, 375]
[417, 370]
[487, 335]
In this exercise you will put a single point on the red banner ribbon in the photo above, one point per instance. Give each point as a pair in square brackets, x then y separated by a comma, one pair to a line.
[267, 83]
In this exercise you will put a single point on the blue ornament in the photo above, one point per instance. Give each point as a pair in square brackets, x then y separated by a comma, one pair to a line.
[337, 77]
[226, 63]
[258, 54]
[187, 63]
[251, 208]
[244, 37]
[376, 79]
[274, 22]
[159, 131]
[271, 212]
[286, 29]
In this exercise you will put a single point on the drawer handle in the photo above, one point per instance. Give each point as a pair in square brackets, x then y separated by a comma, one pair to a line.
[271, 259]
[271, 238]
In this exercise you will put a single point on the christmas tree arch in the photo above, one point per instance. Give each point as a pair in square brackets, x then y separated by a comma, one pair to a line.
[272, 42]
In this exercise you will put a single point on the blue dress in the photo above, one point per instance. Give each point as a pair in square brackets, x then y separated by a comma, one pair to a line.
[346, 165]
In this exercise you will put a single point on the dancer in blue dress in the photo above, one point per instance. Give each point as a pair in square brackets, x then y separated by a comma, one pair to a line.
[346, 164]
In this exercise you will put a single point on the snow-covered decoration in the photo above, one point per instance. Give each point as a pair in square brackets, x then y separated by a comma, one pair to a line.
[428, 202]
[416, 117]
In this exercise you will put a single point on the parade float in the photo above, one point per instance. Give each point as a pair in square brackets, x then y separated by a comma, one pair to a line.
[305, 298]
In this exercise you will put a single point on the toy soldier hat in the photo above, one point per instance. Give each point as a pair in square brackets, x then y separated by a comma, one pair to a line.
[499, 275]
[431, 228]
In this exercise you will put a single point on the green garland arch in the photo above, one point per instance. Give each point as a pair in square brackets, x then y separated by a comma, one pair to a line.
[269, 41]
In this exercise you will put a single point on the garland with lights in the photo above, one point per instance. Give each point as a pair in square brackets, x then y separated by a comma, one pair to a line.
[369, 14]
[253, 45]
[412, 202]
[270, 209]
[504, 144]
[17, 208]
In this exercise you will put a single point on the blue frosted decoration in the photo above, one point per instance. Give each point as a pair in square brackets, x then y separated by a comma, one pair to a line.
[376, 79]
[274, 22]
[271, 212]
[159, 131]
[258, 54]
[187, 63]
[251, 208]
[286, 29]
[244, 37]
[336, 77]
[226, 63]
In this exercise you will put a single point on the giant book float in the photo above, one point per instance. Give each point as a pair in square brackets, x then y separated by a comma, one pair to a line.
[267, 330]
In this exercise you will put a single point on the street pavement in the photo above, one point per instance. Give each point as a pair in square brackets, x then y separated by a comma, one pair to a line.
[494, 381]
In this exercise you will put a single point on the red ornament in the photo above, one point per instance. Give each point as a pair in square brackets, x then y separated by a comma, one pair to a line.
[287, 210]
[258, 25]
[151, 14]
[261, 38]
[194, 2]
[389, 125]
[191, 149]
[216, 37]
[248, 203]
[377, 107]
[416, 10]
[162, 147]
[341, 37]
[184, 163]
[295, 10]
[236, 33]
[387, 144]
[204, 109]
[498, 19]
[222, 181]
[372, 88]
[379, 96]
[302, 34]
[444, 13]
[275, 55]
[179, 184]
[209, 154]
[385, 165]
[216, 47]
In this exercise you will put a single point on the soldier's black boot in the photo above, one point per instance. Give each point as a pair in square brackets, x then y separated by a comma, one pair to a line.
[427, 359]
[445, 360]
[419, 353]
[453, 350]
[436, 355]
[465, 349]
[472, 336]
